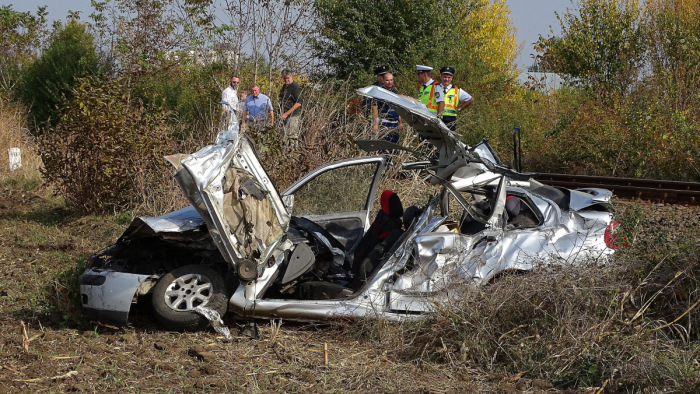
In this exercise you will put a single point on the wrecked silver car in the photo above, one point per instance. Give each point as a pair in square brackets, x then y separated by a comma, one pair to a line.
[314, 251]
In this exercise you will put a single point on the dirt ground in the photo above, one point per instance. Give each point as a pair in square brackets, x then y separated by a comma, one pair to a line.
[46, 345]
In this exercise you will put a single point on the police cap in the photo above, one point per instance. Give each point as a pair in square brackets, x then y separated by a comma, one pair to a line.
[447, 70]
[381, 70]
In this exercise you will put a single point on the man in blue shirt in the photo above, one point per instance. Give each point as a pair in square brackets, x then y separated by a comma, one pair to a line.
[368, 102]
[384, 118]
[257, 111]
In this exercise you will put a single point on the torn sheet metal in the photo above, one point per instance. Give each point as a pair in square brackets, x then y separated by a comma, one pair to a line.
[215, 321]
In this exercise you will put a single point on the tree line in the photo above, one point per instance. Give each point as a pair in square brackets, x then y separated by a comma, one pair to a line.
[630, 109]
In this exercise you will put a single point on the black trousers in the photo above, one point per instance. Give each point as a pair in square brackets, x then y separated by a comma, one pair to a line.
[450, 122]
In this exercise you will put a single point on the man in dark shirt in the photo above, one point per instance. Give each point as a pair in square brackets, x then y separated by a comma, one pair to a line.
[290, 103]
[368, 102]
[385, 120]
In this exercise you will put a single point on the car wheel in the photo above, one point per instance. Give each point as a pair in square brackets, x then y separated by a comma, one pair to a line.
[179, 292]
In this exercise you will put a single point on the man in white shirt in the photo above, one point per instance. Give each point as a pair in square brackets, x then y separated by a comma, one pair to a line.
[230, 95]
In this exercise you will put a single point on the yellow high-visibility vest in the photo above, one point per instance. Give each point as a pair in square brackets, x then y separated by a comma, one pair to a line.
[451, 101]
[427, 96]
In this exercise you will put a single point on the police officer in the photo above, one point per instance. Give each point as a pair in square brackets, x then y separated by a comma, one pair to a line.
[384, 118]
[427, 93]
[367, 102]
[456, 99]
[379, 72]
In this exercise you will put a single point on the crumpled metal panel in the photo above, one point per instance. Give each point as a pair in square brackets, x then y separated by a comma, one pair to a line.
[180, 221]
[447, 258]
[584, 198]
[108, 295]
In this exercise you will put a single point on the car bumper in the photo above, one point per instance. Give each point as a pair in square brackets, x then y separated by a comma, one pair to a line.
[107, 296]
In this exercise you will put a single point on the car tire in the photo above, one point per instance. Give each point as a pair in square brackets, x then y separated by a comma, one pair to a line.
[180, 291]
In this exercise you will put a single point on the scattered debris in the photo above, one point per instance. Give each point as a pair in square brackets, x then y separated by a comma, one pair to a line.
[215, 321]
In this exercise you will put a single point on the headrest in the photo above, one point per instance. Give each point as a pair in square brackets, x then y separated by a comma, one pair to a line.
[411, 213]
[391, 204]
[513, 205]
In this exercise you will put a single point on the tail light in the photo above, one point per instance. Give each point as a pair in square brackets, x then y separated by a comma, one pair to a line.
[614, 237]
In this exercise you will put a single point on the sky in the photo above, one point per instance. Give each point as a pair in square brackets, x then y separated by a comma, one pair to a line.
[531, 18]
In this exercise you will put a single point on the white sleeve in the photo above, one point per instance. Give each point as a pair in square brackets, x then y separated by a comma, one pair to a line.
[226, 98]
[439, 94]
[223, 98]
[464, 96]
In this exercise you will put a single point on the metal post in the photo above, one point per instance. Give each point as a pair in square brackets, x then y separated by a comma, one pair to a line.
[517, 150]
[520, 150]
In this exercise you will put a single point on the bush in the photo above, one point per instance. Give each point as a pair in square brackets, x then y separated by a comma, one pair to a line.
[107, 151]
[327, 133]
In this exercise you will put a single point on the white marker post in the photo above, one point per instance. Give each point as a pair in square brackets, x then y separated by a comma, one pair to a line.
[15, 158]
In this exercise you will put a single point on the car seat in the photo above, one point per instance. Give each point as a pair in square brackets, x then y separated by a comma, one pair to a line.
[382, 234]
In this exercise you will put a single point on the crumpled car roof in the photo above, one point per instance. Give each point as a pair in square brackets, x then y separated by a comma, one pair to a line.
[454, 156]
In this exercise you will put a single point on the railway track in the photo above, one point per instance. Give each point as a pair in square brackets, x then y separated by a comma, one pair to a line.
[670, 192]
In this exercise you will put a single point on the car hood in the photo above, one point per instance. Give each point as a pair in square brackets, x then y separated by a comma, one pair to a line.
[452, 153]
[229, 188]
[455, 160]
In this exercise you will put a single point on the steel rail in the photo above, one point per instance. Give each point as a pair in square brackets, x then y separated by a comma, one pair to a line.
[671, 192]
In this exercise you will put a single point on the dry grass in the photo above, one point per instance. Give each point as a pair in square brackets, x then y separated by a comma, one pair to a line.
[14, 134]
[629, 325]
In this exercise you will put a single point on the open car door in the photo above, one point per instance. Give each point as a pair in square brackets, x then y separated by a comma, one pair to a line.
[338, 196]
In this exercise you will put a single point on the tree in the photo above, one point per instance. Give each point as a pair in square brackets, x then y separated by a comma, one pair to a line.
[481, 44]
[276, 33]
[21, 35]
[486, 26]
[49, 80]
[475, 37]
[673, 46]
[600, 44]
[139, 33]
[357, 35]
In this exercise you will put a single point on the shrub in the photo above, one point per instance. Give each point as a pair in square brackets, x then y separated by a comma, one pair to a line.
[107, 151]
[327, 132]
